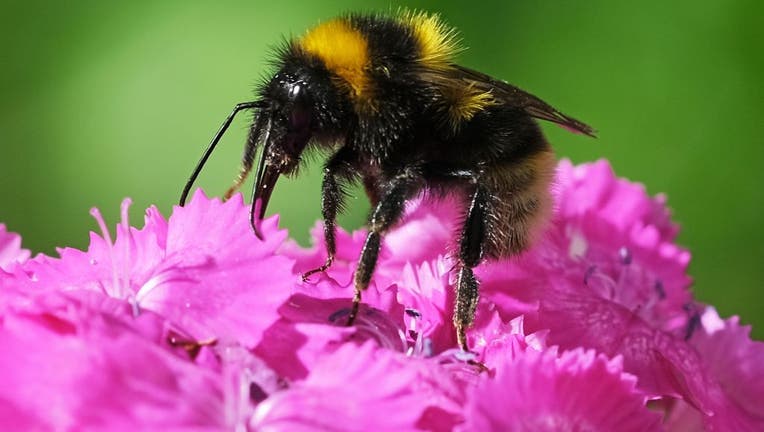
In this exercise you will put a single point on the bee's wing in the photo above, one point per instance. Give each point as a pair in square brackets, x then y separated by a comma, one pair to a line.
[513, 96]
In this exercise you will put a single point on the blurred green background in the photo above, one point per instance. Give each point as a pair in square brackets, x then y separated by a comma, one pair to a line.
[100, 100]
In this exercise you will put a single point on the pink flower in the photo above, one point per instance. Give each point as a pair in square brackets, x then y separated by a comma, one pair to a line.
[11, 252]
[538, 391]
[626, 240]
[198, 269]
[192, 322]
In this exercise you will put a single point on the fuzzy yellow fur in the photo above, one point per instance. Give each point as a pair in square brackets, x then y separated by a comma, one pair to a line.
[343, 50]
[438, 45]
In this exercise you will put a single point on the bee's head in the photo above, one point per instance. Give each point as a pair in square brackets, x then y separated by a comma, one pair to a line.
[286, 121]
[287, 118]
[284, 127]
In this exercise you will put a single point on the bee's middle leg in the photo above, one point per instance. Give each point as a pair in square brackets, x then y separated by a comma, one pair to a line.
[386, 213]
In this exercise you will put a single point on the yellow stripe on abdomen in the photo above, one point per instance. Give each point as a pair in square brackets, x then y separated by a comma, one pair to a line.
[438, 43]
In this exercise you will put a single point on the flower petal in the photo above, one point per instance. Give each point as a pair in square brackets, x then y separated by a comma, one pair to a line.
[11, 252]
[203, 269]
[71, 368]
[360, 388]
[735, 365]
[538, 391]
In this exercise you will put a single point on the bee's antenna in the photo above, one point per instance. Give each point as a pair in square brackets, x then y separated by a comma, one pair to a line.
[211, 147]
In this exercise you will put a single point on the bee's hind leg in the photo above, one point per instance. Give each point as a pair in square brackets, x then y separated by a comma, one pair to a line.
[471, 243]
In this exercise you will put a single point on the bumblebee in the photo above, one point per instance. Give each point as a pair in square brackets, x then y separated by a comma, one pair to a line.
[384, 95]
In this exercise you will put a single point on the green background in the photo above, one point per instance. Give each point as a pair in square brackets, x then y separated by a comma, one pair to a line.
[100, 100]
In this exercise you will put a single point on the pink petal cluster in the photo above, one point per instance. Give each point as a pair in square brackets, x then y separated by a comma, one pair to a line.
[194, 323]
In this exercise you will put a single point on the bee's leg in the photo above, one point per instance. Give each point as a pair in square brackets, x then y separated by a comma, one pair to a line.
[370, 185]
[385, 214]
[337, 171]
[246, 167]
[470, 254]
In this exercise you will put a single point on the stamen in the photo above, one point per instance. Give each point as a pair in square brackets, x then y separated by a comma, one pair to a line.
[412, 313]
[125, 224]
[600, 282]
[693, 322]
[427, 349]
[152, 283]
[127, 247]
[624, 255]
[135, 308]
[116, 291]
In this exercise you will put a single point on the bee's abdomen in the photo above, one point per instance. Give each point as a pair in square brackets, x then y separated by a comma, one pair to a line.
[519, 203]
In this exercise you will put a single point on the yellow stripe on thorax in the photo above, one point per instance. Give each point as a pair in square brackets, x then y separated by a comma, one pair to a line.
[343, 50]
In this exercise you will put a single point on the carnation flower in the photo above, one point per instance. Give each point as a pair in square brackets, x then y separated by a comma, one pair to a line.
[197, 269]
[192, 322]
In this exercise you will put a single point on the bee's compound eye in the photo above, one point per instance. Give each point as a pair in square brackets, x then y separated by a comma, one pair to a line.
[294, 90]
[299, 117]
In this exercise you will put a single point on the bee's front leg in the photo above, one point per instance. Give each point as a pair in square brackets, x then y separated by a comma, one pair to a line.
[337, 171]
